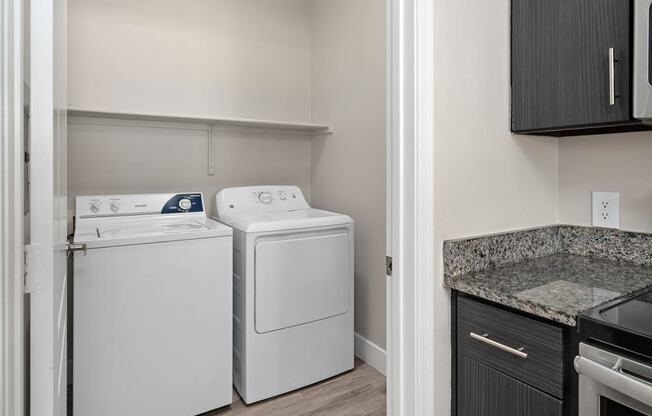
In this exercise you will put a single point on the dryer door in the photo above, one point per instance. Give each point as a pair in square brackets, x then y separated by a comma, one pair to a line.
[301, 279]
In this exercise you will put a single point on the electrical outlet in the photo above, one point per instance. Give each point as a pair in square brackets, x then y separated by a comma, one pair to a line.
[606, 209]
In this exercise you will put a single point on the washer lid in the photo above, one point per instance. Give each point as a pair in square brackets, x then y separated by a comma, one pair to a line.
[284, 220]
[126, 231]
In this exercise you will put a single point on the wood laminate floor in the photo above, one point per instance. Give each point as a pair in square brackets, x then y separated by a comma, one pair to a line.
[360, 392]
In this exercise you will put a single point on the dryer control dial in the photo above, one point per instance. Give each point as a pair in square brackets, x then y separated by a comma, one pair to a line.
[282, 195]
[115, 206]
[265, 197]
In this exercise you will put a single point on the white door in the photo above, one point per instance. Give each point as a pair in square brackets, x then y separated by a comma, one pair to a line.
[48, 318]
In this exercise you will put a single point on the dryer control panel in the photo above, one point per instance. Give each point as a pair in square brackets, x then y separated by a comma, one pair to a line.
[259, 199]
[138, 204]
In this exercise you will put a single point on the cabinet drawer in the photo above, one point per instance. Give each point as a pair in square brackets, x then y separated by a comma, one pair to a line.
[524, 348]
[484, 391]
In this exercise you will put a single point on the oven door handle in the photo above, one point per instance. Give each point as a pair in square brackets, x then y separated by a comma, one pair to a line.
[611, 377]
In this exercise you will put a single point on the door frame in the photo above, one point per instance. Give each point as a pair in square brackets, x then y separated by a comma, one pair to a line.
[12, 336]
[410, 208]
[410, 231]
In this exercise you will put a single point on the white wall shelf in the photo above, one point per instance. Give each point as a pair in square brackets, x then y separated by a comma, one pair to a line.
[308, 128]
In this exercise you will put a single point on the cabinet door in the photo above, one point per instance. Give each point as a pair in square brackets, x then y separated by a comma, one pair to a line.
[561, 67]
[483, 391]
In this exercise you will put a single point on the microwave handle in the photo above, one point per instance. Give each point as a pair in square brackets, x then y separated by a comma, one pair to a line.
[612, 377]
[612, 77]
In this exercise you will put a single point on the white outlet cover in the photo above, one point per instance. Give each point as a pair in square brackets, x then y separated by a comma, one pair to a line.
[605, 207]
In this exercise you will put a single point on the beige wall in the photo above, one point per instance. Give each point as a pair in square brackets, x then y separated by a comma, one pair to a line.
[137, 157]
[242, 58]
[613, 162]
[486, 179]
[348, 168]
[232, 58]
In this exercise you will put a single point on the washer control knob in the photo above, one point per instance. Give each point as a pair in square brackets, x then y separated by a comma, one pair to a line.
[282, 195]
[265, 197]
[95, 206]
[185, 204]
[115, 206]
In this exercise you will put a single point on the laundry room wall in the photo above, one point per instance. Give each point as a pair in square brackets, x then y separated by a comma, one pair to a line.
[348, 167]
[105, 157]
[227, 58]
[260, 59]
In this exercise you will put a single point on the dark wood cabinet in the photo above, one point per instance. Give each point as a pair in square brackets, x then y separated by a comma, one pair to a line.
[562, 70]
[483, 391]
[542, 368]
[507, 362]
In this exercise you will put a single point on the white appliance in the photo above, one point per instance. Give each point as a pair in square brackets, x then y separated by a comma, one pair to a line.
[642, 62]
[152, 307]
[292, 290]
[612, 384]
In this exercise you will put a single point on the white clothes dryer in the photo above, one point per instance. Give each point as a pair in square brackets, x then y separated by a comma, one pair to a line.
[292, 290]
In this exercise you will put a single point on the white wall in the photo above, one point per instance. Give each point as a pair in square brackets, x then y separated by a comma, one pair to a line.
[239, 58]
[612, 162]
[348, 168]
[486, 179]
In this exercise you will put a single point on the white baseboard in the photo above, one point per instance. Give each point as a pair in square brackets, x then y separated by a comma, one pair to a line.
[370, 353]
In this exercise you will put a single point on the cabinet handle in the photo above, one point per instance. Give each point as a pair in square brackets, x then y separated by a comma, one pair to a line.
[485, 338]
[612, 78]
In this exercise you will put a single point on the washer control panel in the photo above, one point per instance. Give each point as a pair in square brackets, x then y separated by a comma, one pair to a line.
[259, 199]
[143, 204]
[184, 203]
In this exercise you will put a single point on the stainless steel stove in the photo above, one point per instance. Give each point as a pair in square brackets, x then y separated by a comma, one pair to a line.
[615, 358]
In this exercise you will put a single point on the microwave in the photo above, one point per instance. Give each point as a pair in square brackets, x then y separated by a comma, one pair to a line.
[642, 77]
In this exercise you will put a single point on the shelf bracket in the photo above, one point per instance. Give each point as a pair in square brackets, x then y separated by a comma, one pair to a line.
[211, 152]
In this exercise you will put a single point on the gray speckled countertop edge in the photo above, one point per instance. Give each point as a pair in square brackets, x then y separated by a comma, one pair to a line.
[463, 257]
[516, 303]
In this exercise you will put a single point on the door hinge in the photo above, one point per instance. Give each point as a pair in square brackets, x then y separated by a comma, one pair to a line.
[28, 262]
[388, 265]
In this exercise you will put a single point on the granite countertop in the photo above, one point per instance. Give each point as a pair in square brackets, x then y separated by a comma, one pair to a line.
[553, 272]
[557, 287]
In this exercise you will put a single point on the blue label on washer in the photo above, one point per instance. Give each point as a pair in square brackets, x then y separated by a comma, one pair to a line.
[183, 203]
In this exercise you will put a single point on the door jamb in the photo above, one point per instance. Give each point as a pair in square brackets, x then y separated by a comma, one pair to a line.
[410, 297]
[12, 345]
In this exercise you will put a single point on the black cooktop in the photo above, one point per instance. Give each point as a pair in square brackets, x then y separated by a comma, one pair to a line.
[624, 324]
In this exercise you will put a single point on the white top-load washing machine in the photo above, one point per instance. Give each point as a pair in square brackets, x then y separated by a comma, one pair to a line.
[292, 290]
[152, 307]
